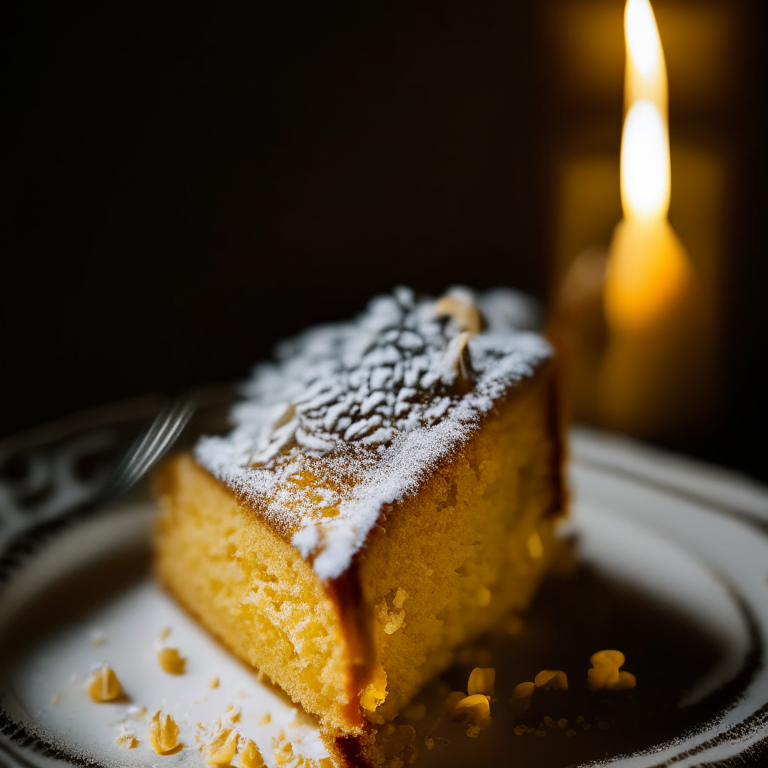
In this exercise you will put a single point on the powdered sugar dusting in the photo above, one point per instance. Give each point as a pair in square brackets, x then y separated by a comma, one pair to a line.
[353, 416]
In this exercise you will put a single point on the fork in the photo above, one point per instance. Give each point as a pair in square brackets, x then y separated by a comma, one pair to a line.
[151, 445]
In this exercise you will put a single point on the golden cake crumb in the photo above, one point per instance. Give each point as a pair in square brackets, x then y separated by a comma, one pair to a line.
[524, 690]
[164, 634]
[474, 708]
[213, 682]
[481, 680]
[570, 733]
[562, 722]
[376, 691]
[103, 684]
[249, 755]
[605, 674]
[163, 734]
[552, 680]
[282, 750]
[604, 677]
[429, 742]
[266, 720]
[232, 713]
[626, 681]
[549, 722]
[609, 658]
[473, 731]
[222, 747]
[127, 740]
[540, 733]
[171, 662]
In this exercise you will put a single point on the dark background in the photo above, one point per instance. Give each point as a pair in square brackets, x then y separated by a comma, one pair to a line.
[187, 183]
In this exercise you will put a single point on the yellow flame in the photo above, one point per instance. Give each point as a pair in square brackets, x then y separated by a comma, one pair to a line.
[646, 72]
[645, 167]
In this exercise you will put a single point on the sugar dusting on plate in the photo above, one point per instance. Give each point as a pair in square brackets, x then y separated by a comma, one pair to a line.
[352, 416]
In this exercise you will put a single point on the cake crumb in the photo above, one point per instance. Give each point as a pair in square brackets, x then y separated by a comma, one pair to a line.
[164, 633]
[607, 658]
[475, 708]
[266, 720]
[232, 713]
[552, 680]
[127, 739]
[282, 750]
[570, 733]
[549, 722]
[523, 690]
[221, 748]
[249, 755]
[164, 734]
[376, 691]
[399, 598]
[171, 661]
[213, 682]
[605, 674]
[481, 680]
[562, 723]
[540, 733]
[103, 684]
[429, 742]
[473, 731]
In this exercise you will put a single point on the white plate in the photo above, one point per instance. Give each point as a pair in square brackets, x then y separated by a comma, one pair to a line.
[675, 562]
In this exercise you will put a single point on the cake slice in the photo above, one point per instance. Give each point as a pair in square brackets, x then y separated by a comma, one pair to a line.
[388, 492]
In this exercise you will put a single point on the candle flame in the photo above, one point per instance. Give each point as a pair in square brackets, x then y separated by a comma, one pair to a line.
[645, 166]
[646, 71]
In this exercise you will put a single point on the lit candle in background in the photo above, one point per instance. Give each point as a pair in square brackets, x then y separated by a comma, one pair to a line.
[645, 73]
[653, 380]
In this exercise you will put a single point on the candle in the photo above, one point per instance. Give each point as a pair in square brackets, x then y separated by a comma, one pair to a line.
[652, 380]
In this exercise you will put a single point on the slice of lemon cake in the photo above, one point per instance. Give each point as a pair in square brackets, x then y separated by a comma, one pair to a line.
[388, 492]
